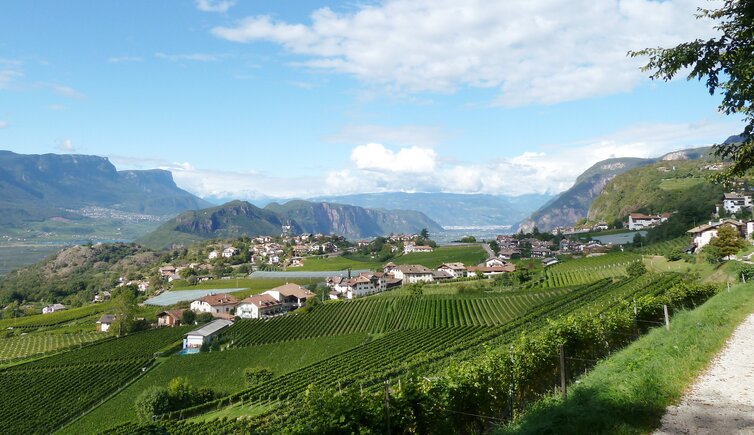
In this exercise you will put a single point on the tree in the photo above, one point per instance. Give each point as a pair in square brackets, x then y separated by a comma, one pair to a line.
[725, 62]
[204, 317]
[424, 234]
[124, 306]
[727, 241]
[188, 317]
[636, 269]
[151, 402]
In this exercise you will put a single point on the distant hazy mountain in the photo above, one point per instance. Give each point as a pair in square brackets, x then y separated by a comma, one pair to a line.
[452, 209]
[573, 204]
[239, 218]
[353, 221]
[35, 188]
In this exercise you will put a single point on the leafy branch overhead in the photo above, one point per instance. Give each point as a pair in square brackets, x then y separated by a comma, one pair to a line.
[726, 62]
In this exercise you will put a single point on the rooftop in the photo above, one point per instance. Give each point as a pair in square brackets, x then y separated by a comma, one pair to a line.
[211, 328]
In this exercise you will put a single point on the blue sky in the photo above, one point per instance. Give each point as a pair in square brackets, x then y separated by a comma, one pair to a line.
[259, 98]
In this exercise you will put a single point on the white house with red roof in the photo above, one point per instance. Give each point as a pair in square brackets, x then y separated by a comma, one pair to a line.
[219, 305]
[258, 307]
[640, 221]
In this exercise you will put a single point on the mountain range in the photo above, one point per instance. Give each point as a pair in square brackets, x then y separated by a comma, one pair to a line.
[573, 204]
[34, 187]
[238, 218]
[452, 209]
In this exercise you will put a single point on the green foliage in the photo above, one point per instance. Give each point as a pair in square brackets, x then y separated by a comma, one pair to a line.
[636, 269]
[152, 402]
[28, 345]
[641, 190]
[256, 375]
[41, 395]
[711, 254]
[77, 271]
[725, 62]
[727, 241]
[204, 317]
[188, 317]
[586, 270]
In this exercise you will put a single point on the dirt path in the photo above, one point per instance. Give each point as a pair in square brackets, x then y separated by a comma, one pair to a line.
[721, 401]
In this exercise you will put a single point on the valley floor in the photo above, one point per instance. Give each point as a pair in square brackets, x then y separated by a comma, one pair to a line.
[722, 399]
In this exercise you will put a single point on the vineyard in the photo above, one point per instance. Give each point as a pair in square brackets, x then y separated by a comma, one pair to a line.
[56, 318]
[421, 347]
[586, 270]
[674, 246]
[36, 344]
[41, 395]
[377, 315]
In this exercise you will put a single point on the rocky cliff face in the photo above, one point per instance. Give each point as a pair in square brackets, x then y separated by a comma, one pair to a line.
[42, 186]
[352, 221]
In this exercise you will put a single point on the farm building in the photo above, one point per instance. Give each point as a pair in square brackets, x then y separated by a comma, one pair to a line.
[169, 318]
[104, 322]
[220, 305]
[198, 337]
[259, 306]
[412, 273]
[52, 308]
[290, 296]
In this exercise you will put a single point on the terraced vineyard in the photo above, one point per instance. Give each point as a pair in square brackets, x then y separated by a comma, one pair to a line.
[423, 349]
[57, 318]
[585, 270]
[376, 315]
[667, 247]
[35, 344]
[40, 396]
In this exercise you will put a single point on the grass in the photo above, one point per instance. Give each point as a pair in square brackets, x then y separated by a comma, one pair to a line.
[218, 370]
[680, 183]
[468, 255]
[253, 286]
[335, 263]
[629, 392]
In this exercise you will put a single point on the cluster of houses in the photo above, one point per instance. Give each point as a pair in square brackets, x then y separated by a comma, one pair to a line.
[392, 275]
[703, 234]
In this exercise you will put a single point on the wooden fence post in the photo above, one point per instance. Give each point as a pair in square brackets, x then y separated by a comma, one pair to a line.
[667, 318]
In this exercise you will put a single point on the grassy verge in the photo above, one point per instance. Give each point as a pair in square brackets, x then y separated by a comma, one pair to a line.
[629, 392]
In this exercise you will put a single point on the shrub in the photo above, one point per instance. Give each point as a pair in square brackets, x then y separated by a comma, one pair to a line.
[151, 402]
[636, 269]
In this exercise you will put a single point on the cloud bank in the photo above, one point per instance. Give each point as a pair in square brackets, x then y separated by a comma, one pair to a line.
[535, 52]
[374, 167]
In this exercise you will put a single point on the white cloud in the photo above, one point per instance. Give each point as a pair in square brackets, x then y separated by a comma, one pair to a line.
[65, 91]
[66, 146]
[406, 135]
[3, 124]
[124, 59]
[195, 57]
[375, 157]
[536, 52]
[551, 169]
[214, 5]
[10, 71]
[377, 168]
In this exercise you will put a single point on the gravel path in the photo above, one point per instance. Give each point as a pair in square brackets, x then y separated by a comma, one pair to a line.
[721, 401]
